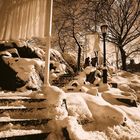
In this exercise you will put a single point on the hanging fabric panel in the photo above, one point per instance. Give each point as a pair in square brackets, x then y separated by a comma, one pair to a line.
[22, 19]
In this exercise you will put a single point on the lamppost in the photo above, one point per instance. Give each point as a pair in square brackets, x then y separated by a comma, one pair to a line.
[104, 30]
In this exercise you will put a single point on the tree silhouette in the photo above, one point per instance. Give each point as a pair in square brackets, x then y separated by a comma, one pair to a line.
[69, 25]
[123, 19]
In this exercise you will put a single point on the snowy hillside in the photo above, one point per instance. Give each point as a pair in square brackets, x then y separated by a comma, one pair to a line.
[88, 112]
[83, 109]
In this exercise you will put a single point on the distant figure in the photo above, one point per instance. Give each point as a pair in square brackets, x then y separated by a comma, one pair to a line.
[87, 62]
[132, 62]
[52, 67]
[132, 65]
[94, 61]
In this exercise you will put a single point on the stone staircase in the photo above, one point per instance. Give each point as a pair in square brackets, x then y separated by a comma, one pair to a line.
[22, 118]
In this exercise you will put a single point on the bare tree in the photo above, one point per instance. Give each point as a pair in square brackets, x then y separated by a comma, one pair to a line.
[123, 19]
[69, 24]
[73, 19]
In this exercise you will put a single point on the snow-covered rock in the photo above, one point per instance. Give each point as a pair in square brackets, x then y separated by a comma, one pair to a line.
[27, 56]
[57, 57]
[27, 70]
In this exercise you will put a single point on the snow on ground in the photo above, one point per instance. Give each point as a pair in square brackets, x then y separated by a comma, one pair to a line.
[89, 117]
[128, 82]
[90, 112]
[97, 114]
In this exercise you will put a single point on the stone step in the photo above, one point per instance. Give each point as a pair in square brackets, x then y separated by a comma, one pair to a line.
[18, 109]
[23, 109]
[22, 112]
[25, 135]
[28, 102]
[24, 122]
[7, 101]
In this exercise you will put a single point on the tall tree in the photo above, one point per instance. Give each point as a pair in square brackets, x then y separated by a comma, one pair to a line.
[123, 19]
[69, 24]
[76, 18]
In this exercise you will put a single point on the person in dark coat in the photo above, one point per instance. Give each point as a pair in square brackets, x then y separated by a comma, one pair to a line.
[87, 62]
[94, 61]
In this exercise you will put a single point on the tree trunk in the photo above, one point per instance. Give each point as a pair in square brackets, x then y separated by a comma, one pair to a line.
[79, 53]
[123, 58]
[79, 58]
[117, 56]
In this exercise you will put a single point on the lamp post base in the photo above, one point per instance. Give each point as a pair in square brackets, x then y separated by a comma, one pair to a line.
[105, 76]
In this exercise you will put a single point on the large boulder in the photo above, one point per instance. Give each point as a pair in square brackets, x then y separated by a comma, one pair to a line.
[21, 73]
[29, 51]
[8, 78]
[22, 65]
